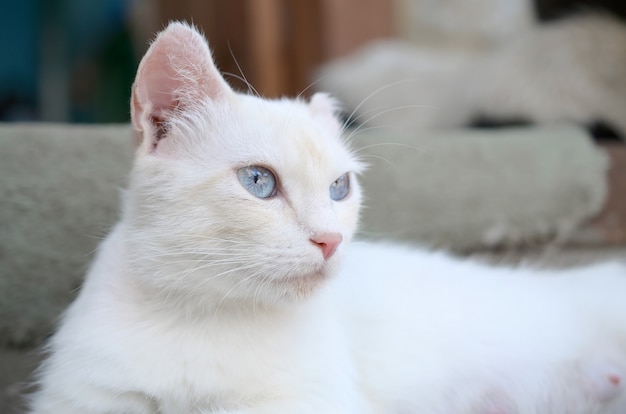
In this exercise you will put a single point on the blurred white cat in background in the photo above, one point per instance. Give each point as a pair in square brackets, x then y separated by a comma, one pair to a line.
[463, 62]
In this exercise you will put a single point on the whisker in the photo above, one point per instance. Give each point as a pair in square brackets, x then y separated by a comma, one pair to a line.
[244, 280]
[244, 80]
[243, 76]
[315, 82]
[380, 158]
[374, 93]
[378, 114]
[382, 144]
[227, 272]
[255, 299]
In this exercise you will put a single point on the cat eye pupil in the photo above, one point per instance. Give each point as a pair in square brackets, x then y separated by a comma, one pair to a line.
[259, 181]
[340, 188]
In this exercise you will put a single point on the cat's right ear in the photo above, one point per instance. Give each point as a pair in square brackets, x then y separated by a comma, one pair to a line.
[176, 72]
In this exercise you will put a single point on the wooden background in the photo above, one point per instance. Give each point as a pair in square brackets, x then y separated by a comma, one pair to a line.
[279, 43]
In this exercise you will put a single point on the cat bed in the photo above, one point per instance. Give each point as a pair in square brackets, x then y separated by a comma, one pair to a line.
[468, 190]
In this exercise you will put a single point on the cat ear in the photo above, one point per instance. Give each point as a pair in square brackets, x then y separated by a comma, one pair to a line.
[176, 72]
[326, 109]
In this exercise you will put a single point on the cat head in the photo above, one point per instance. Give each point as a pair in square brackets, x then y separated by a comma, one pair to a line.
[232, 198]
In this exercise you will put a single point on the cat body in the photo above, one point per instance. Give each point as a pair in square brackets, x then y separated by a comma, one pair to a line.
[230, 284]
[436, 336]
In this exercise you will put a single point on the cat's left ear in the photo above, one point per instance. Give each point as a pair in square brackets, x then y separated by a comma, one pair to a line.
[176, 72]
[326, 109]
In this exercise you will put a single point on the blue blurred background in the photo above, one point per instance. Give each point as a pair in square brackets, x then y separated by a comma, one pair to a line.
[66, 60]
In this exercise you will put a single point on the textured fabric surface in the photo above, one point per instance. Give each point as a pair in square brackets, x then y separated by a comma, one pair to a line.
[470, 190]
[59, 194]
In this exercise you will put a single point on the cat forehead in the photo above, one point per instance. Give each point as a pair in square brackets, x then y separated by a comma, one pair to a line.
[286, 133]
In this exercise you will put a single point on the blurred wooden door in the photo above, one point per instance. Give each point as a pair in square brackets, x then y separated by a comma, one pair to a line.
[277, 44]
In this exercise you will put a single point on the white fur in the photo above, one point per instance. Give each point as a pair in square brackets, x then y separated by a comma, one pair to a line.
[205, 299]
[567, 71]
[473, 23]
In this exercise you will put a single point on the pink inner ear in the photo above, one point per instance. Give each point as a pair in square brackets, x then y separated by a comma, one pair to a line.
[159, 84]
[176, 73]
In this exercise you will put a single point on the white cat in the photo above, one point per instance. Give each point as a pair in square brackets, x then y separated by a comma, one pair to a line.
[221, 291]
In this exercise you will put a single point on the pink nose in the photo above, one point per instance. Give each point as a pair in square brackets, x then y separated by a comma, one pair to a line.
[328, 242]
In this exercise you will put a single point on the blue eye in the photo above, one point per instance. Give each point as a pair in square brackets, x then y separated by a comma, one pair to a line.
[340, 188]
[259, 181]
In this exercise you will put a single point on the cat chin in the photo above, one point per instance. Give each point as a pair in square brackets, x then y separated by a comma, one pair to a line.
[303, 285]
